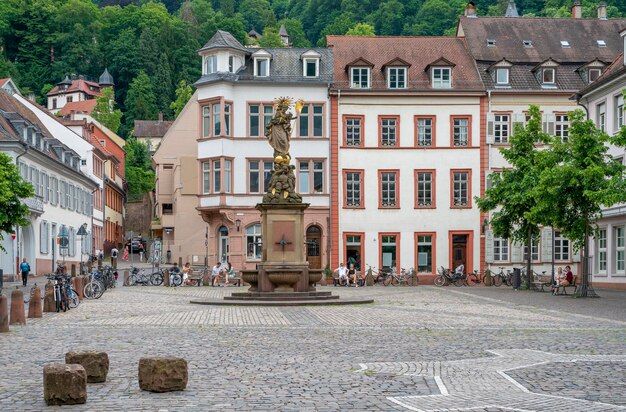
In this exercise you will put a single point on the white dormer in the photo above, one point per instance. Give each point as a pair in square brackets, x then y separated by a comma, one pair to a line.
[261, 60]
[310, 63]
[546, 73]
[501, 73]
[623, 34]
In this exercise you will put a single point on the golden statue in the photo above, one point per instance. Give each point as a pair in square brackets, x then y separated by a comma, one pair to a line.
[278, 131]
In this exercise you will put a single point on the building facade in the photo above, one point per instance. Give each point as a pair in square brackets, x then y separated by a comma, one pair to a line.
[77, 95]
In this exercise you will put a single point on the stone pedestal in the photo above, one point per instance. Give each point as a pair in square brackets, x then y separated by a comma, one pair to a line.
[4, 314]
[48, 301]
[163, 374]
[18, 313]
[64, 384]
[35, 309]
[96, 364]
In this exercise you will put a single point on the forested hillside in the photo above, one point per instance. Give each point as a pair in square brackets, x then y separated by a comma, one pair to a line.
[41, 41]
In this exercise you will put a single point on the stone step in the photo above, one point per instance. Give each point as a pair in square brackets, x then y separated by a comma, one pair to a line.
[282, 294]
[281, 298]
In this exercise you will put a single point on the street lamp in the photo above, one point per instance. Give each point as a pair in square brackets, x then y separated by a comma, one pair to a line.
[238, 224]
[82, 232]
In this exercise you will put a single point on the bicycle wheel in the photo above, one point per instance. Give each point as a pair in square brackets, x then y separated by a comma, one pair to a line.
[156, 279]
[470, 280]
[89, 290]
[497, 280]
[132, 280]
[74, 301]
[508, 280]
[394, 281]
[177, 280]
[458, 282]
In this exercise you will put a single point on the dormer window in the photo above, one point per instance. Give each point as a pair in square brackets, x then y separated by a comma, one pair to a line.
[311, 67]
[210, 64]
[548, 76]
[360, 77]
[601, 43]
[491, 43]
[442, 77]
[396, 77]
[528, 43]
[594, 74]
[565, 44]
[502, 76]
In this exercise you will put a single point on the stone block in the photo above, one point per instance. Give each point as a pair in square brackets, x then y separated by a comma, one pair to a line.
[48, 301]
[64, 384]
[78, 287]
[4, 314]
[96, 364]
[35, 308]
[163, 374]
[18, 313]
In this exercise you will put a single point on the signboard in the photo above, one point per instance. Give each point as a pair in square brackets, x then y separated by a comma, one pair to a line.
[82, 231]
[64, 237]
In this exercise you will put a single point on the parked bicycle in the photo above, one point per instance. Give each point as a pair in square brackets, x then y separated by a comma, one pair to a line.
[403, 278]
[64, 296]
[501, 277]
[473, 278]
[95, 287]
[446, 277]
[140, 277]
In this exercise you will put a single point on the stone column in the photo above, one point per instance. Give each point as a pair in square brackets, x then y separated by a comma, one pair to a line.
[18, 314]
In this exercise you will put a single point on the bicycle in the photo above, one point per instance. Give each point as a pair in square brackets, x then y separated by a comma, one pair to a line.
[501, 277]
[473, 278]
[399, 279]
[94, 288]
[446, 277]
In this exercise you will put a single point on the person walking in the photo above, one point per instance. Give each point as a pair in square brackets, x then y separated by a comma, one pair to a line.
[126, 251]
[140, 251]
[114, 254]
[25, 269]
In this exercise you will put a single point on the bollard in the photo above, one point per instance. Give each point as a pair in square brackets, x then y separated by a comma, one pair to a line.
[166, 278]
[48, 301]
[126, 278]
[206, 280]
[35, 305]
[18, 314]
[73, 269]
[4, 314]
[78, 283]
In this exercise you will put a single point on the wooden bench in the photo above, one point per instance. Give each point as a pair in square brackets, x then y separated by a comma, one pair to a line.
[360, 279]
[540, 282]
[573, 285]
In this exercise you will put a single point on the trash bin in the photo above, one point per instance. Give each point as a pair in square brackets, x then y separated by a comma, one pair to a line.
[517, 278]
[1, 279]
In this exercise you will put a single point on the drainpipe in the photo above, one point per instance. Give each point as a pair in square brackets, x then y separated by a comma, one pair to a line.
[17, 228]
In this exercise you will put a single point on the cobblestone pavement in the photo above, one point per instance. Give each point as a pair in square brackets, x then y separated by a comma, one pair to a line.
[420, 349]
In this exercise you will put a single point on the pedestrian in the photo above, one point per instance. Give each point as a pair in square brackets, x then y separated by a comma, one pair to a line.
[186, 273]
[140, 251]
[227, 271]
[126, 251]
[215, 274]
[25, 269]
[114, 254]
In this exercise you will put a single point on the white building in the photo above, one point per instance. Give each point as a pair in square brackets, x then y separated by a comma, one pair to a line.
[77, 95]
[63, 198]
[604, 101]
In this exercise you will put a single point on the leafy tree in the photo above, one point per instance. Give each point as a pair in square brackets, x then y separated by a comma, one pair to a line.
[361, 29]
[12, 188]
[140, 100]
[512, 195]
[446, 17]
[271, 38]
[389, 18]
[585, 178]
[339, 25]
[162, 84]
[139, 174]
[104, 111]
[183, 94]
[257, 13]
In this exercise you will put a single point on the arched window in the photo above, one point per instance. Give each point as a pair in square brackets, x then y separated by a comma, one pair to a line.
[253, 242]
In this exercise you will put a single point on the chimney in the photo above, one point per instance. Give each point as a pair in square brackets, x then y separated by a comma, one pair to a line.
[577, 10]
[160, 116]
[602, 11]
[470, 9]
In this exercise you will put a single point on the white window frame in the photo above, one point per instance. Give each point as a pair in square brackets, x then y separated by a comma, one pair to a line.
[437, 77]
[561, 127]
[602, 250]
[396, 83]
[263, 170]
[315, 168]
[354, 188]
[310, 60]
[601, 116]
[561, 247]
[357, 75]
[425, 129]
[534, 247]
[210, 64]
[619, 112]
[501, 128]
[425, 188]
[461, 188]
[460, 131]
[254, 232]
[206, 177]
[500, 249]
[504, 81]
[389, 131]
[351, 129]
[546, 70]
[593, 78]
[389, 189]
[619, 240]
[259, 64]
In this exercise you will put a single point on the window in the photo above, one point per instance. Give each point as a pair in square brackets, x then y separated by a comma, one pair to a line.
[54, 103]
[442, 78]
[54, 191]
[206, 177]
[388, 189]
[460, 131]
[69, 193]
[206, 121]
[353, 249]
[210, 64]
[228, 176]
[212, 120]
[259, 175]
[231, 64]
[45, 183]
[547, 76]
[601, 244]
[565, 44]
[217, 121]
[310, 121]
[311, 67]
[44, 237]
[360, 77]
[311, 176]
[389, 252]
[72, 245]
[227, 119]
[594, 74]
[534, 246]
[396, 77]
[461, 196]
[34, 180]
[619, 112]
[353, 130]
[168, 208]
[502, 76]
[500, 250]
[260, 115]
[561, 127]
[253, 242]
[601, 43]
[561, 246]
[354, 188]
[425, 131]
[601, 116]
[619, 248]
[425, 252]
[491, 43]
[501, 128]
[528, 43]
[217, 176]
[261, 67]
[389, 131]
[425, 189]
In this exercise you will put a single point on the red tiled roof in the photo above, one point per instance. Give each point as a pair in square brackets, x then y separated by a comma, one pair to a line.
[78, 85]
[418, 51]
[3, 81]
[83, 106]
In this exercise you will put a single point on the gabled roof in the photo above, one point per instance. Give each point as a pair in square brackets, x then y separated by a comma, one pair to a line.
[596, 63]
[283, 31]
[546, 35]
[549, 62]
[83, 106]
[418, 51]
[223, 40]
[360, 61]
[396, 62]
[439, 62]
[9, 85]
[501, 63]
[77, 85]
[616, 69]
[151, 128]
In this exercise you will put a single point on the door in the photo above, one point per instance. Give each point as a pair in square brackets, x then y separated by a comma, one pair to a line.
[459, 251]
[223, 244]
[313, 242]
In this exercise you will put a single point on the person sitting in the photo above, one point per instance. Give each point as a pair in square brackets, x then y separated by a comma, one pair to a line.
[215, 274]
[352, 275]
[557, 278]
[567, 280]
[342, 272]
[175, 270]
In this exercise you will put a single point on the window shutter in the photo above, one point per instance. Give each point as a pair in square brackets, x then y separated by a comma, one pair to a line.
[516, 252]
[489, 246]
[490, 119]
[518, 119]
[72, 246]
[42, 237]
[546, 244]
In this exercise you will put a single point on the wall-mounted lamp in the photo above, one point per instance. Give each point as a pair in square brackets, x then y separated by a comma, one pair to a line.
[484, 225]
[237, 224]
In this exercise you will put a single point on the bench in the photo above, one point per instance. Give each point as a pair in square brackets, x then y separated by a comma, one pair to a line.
[360, 278]
[540, 282]
[573, 285]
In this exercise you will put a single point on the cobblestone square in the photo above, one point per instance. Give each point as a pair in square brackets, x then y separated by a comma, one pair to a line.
[416, 348]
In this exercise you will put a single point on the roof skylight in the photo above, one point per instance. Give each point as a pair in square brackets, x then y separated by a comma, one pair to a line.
[528, 43]
[565, 44]
[601, 43]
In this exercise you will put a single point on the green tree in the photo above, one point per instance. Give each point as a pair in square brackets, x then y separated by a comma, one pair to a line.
[43, 99]
[140, 100]
[512, 194]
[585, 179]
[361, 29]
[139, 174]
[257, 13]
[389, 18]
[339, 25]
[271, 38]
[162, 84]
[105, 112]
[183, 94]
[12, 189]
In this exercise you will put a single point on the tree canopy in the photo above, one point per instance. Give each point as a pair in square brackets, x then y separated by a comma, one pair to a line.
[105, 111]
[12, 189]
